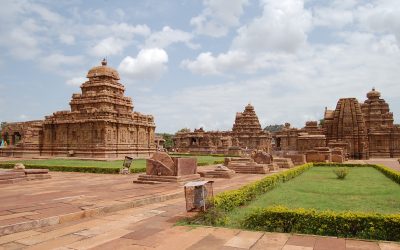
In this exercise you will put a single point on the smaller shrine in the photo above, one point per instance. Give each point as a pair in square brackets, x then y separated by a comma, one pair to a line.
[246, 136]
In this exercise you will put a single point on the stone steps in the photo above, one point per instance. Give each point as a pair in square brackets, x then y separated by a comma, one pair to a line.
[155, 179]
[15, 176]
[284, 162]
[12, 181]
[11, 175]
[245, 169]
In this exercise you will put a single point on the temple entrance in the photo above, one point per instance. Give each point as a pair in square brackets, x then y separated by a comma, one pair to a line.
[194, 141]
[6, 137]
[16, 138]
[278, 143]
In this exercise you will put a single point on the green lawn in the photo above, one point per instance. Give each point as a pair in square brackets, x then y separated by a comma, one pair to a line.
[364, 190]
[137, 163]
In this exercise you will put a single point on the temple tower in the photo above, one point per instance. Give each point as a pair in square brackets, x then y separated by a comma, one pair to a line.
[346, 124]
[248, 132]
[101, 123]
[246, 121]
[379, 123]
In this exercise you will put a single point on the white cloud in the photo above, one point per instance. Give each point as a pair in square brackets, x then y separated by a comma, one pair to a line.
[60, 63]
[218, 17]
[120, 30]
[45, 13]
[149, 64]
[381, 16]
[207, 64]
[168, 36]
[109, 46]
[283, 26]
[76, 81]
[24, 45]
[265, 42]
[67, 39]
[332, 17]
[23, 117]
[121, 35]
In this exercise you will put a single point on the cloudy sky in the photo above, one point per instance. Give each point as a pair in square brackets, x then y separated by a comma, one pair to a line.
[195, 63]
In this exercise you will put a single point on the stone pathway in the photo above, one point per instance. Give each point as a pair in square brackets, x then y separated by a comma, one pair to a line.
[392, 163]
[71, 196]
[152, 227]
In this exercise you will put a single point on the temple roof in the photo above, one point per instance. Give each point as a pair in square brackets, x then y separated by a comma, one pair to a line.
[373, 94]
[103, 70]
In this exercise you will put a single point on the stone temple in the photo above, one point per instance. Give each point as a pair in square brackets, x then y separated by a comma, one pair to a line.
[246, 135]
[100, 124]
[362, 130]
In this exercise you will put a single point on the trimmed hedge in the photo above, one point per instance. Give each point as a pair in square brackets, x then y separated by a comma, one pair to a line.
[80, 169]
[228, 200]
[309, 221]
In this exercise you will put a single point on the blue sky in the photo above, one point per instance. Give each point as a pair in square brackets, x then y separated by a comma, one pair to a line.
[197, 63]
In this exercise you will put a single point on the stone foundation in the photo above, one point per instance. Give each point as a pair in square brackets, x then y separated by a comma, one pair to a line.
[283, 162]
[246, 166]
[218, 172]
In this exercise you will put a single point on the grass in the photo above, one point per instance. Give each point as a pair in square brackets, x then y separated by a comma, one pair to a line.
[137, 163]
[363, 190]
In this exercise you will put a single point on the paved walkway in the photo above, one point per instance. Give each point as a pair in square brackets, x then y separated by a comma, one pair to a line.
[151, 227]
[392, 163]
[72, 196]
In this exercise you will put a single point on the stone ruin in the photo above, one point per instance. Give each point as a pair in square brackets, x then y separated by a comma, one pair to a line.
[161, 168]
[220, 171]
[100, 124]
[283, 162]
[19, 173]
[246, 136]
[259, 163]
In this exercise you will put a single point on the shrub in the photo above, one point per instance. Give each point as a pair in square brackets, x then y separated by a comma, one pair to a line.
[341, 172]
[218, 162]
[212, 217]
[309, 221]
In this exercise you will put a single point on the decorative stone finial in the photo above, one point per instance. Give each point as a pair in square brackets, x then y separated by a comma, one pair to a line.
[373, 88]
[104, 62]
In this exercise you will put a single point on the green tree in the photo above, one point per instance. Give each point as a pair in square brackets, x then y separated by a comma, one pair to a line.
[184, 130]
[169, 143]
[274, 128]
[2, 125]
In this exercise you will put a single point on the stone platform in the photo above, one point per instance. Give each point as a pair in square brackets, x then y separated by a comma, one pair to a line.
[19, 175]
[158, 179]
[217, 172]
[246, 166]
[283, 162]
